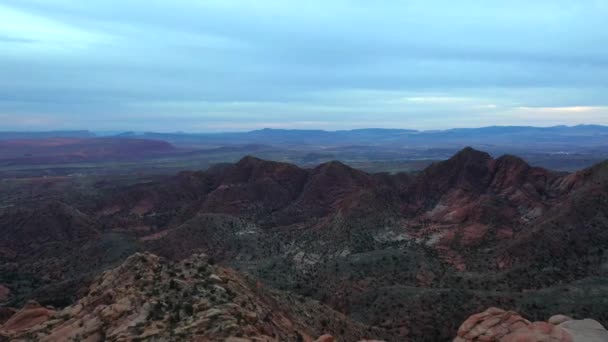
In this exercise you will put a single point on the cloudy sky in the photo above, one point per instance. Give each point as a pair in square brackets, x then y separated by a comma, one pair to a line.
[219, 65]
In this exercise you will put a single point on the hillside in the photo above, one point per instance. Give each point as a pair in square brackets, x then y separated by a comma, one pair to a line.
[398, 252]
[149, 298]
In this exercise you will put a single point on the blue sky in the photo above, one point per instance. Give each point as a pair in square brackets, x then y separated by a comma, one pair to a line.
[217, 65]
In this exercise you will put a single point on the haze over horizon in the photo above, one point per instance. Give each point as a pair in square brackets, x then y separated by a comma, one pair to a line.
[243, 65]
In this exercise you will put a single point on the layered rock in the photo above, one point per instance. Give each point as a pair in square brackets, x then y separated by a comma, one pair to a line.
[497, 325]
[29, 316]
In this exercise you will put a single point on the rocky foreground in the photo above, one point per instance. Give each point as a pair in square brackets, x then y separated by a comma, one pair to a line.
[150, 298]
[506, 326]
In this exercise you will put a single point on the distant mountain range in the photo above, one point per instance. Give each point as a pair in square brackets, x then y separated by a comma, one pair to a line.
[555, 138]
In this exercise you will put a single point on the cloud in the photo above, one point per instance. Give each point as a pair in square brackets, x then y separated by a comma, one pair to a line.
[173, 65]
[548, 116]
[563, 110]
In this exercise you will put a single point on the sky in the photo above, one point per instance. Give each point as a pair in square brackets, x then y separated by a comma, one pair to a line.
[218, 65]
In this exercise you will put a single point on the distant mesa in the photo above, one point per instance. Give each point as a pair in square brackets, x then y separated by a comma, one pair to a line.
[64, 150]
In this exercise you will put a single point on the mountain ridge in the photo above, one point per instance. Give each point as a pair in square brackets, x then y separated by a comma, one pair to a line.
[372, 246]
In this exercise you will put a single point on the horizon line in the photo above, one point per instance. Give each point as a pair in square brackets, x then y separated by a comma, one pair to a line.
[135, 132]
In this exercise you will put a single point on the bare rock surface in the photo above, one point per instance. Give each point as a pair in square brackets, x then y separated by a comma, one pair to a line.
[29, 316]
[585, 330]
[150, 298]
[497, 325]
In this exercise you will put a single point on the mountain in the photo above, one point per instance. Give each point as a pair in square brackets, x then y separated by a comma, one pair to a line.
[564, 148]
[29, 229]
[412, 255]
[77, 149]
[149, 298]
[518, 137]
[6, 135]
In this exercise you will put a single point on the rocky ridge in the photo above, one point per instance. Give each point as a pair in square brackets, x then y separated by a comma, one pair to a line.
[150, 298]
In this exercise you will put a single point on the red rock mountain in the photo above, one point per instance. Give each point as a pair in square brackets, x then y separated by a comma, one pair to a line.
[411, 255]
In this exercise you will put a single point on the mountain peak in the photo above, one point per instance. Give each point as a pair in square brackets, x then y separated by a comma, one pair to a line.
[249, 160]
[469, 153]
[333, 165]
[511, 162]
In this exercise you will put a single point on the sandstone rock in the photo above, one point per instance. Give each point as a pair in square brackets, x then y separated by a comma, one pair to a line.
[251, 316]
[585, 330]
[490, 325]
[237, 339]
[213, 313]
[325, 338]
[557, 319]
[216, 279]
[496, 325]
[151, 298]
[538, 332]
[32, 314]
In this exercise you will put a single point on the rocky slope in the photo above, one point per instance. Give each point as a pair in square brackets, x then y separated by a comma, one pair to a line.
[149, 298]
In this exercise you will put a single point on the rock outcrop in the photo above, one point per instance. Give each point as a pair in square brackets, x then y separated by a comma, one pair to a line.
[150, 298]
[29, 316]
[497, 325]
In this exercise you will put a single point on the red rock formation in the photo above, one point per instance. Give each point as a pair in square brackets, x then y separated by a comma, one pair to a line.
[490, 325]
[539, 332]
[147, 297]
[325, 338]
[496, 325]
[29, 316]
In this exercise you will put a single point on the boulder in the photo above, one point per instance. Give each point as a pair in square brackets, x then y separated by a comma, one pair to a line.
[497, 325]
[325, 338]
[538, 332]
[585, 330]
[490, 325]
[557, 319]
